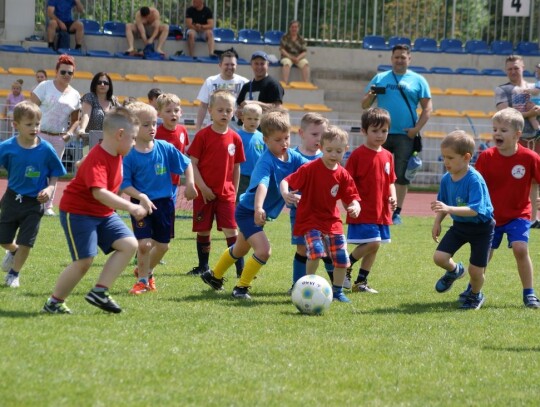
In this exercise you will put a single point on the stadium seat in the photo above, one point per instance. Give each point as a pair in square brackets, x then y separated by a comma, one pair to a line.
[292, 106]
[418, 69]
[467, 71]
[483, 92]
[477, 47]
[133, 77]
[12, 48]
[273, 37]
[395, 40]
[166, 79]
[374, 42]
[441, 70]
[71, 51]
[452, 46]
[425, 44]
[501, 47]
[303, 85]
[83, 75]
[100, 53]
[186, 103]
[51, 73]
[224, 35]
[3, 71]
[527, 48]
[183, 58]
[124, 55]
[384, 68]
[114, 28]
[447, 113]
[434, 134]
[250, 36]
[91, 27]
[317, 107]
[192, 80]
[486, 136]
[284, 85]
[436, 91]
[476, 114]
[457, 92]
[115, 76]
[4, 93]
[22, 71]
[42, 50]
[493, 72]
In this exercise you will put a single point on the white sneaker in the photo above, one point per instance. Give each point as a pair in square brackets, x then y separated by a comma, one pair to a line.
[347, 284]
[12, 281]
[7, 262]
[49, 212]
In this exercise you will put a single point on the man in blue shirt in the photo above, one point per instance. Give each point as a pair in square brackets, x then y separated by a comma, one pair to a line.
[59, 14]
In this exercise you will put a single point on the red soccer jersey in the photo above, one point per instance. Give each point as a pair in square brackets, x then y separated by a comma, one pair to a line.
[373, 173]
[321, 188]
[178, 138]
[217, 154]
[509, 181]
[98, 170]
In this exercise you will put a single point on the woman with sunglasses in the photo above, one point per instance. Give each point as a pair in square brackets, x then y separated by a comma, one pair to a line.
[96, 103]
[60, 104]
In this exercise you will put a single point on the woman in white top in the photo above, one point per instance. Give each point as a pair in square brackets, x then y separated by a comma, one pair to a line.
[60, 104]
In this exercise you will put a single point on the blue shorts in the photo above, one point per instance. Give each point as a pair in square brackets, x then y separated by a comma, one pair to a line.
[321, 245]
[158, 226]
[295, 239]
[478, 235]
[85, 233]
[360, 233]
[516, 230]
[245, 218]
[401, 146]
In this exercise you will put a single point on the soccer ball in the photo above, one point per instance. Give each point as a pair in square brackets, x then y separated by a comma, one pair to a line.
[312, 295]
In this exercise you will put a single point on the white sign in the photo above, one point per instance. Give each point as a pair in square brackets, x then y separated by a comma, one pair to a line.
[516, 8]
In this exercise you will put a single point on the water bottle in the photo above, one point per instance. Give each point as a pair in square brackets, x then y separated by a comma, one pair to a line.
[413, 166]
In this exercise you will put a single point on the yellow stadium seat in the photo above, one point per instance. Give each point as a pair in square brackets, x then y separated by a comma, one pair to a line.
[476, 114]
[483, 92]
[457, 92]
[192, 80]
[436, 91]
[22, 71]
[196, 102]
[447, 113]
[284, 85]
[135, 77]
[51, 73]
[121, 99]
[186, 103]
[83, 75]
[292, 106]
[166, 79]
[295, 129]
[4, 93]
[143, 99]
[486, 136]
[433, 134]
[317, 107]
[303, 85]
[26, 94]
[115, 76]
[3, 71]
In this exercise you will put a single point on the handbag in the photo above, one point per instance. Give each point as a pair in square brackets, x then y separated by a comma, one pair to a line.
[417, 142]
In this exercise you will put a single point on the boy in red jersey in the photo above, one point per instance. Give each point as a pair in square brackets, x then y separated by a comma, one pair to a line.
[216, 153]
[88, 218]
[508, 169]
[372, 168]
[322, 183]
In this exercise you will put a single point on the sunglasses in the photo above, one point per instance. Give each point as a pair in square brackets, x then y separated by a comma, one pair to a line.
[70, 73]
[104, 83]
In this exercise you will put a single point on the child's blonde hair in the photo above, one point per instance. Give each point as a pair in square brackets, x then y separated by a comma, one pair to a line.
[26, 109]
[312, 118]
[221, 95]
[18, 83]
[252, 108]
[166, 99]
[459, 141]
[335, 133]
[510, 116]
[275, 121]
[119, 118]
[139, 108]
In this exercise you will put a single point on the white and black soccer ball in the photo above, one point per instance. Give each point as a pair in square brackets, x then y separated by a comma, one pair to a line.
[312, 295]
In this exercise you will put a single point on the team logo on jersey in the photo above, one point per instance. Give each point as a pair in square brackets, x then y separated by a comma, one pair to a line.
[160, 169]
[518, 171]
[387, 168]
[182, 138]
[141, 224]
[334, 190]
[31, 172]
[232, 149]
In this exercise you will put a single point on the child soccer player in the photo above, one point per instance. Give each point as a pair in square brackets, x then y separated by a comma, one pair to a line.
[261, 202]
[372, 168]
[33, 170]
[147, 181]
[153, 95]
[509, 169]
[88, 218]
[216, 153]
[312, 127]
[322, 183]
[464, 196]
[253, 142]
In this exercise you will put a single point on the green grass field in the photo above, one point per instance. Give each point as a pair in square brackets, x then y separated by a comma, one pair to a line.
[187, 345]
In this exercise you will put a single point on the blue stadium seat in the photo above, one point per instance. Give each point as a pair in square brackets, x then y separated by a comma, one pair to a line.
[395, 40]
[91, 27]
[123, 55]
[183, 58]
[100, 53]
[12, 48]
[477, 47]
[418, 69]
[224, 35]
[500, 47]
[467, 71]
[452, 46]
[273, 37]
[527, 48]
[250, 36]
[375, 42]
[528, 74]
[42, 50]
[425, 44]
[114, 28]
[441, 70]
[384, 68]
[71, 51]
[493, 72]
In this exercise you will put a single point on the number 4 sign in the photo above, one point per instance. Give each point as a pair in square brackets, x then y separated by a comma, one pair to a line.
[516, 8]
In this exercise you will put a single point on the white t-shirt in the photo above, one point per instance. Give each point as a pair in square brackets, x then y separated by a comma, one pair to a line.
[56, 107]
[213, 83]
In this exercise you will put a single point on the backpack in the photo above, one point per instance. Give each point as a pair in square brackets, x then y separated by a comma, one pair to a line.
[62, 40]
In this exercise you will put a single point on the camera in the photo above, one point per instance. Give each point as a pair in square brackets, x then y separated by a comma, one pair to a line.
[378, 90]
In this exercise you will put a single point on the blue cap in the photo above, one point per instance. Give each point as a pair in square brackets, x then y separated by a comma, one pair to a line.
[259, 54]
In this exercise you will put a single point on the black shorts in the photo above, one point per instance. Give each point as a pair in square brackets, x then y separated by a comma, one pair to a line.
[19, 212]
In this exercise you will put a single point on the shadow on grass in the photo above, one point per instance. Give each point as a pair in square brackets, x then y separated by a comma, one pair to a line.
[18, 314]
[513, 348]
[417, 308]
[257, 299]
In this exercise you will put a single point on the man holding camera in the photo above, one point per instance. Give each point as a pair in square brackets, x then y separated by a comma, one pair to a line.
[400, 91]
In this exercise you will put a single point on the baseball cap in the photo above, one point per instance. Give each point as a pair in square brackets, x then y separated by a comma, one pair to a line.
[259, 54]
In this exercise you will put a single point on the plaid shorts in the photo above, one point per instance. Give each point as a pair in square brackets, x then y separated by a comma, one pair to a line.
[320, 245]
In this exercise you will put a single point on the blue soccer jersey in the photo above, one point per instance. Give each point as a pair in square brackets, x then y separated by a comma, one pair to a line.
[253, 148]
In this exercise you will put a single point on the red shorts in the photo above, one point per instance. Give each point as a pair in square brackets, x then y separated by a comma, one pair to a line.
[204, 214]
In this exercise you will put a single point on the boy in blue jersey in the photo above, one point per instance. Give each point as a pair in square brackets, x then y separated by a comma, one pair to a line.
[464, 196]
[33, 170]
[147, 180]
[253, 142]
[261, 202]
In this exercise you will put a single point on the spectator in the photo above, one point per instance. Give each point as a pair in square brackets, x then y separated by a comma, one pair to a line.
[293, 50]
[12, 99]
[41, 75]
[399, 83]
[97, 102]
[147, 26]
[227, 79]
[59, 13]
[200, 25]
[510, 94]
